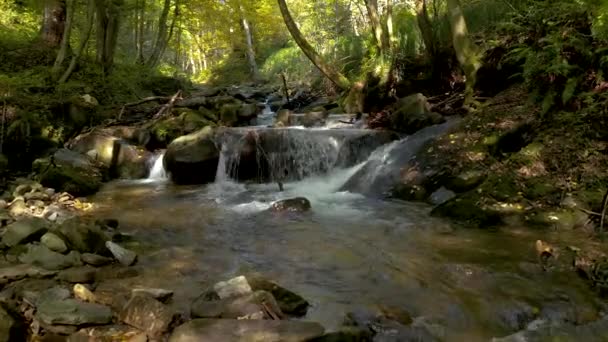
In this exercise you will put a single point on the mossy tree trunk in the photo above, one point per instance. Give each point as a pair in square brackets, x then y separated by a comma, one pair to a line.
[83, 42]
[328, 70]
[65, 40]
[466, 51]
[108, 12]
[161, 36]
[53, 22]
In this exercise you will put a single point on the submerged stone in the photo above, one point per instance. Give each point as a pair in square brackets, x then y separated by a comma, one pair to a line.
[212, 330]
[289, 302]
[147, 314]
[298, 204]
[72, 312]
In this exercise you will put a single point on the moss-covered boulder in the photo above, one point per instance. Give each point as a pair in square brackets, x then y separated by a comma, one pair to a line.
[193, 158]
[124, 160]
[71, 172]
[186, 121]
[413, 113]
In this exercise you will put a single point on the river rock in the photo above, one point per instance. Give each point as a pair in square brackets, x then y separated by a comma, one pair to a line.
[123, 159]
[54, 243]
[70, 171]
[147, 314]
[412, 113]
[193, 158]
[466, 180]
[18, 208]
[84, 274]
[83, 293]
[161, 295]
[289, 302]
[24, 231]
[232, 288]
[18, 272]
[72, 312]
[95, 260]
[83, 236]
[298, 204]
[42, 256]
[108, 333]
[123, 255]
[346, 334]
[282, 118]
[10, 329]
[441, 196]
[251, 306]
[212, 330]
[56, 293]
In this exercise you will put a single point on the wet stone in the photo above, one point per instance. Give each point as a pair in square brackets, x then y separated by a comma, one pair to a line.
[257, 305]
[123, 255]
[83, 293]
[232, 288]
[42, 256]
[95, 260]
[24, 231]
[84, 274]
[108, 333]
[147, 314]
[18, 272]
[10, 330]
[54, 243]
[72, 312]
[161, 295]
[245, 330]
[289, 302]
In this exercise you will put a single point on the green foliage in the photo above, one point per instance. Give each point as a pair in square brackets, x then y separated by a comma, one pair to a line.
[562, 59]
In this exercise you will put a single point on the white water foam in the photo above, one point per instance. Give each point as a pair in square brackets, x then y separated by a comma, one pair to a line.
[157, 171]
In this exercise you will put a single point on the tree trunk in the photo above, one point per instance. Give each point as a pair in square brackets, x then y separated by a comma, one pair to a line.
[108, 12]
[83, 43]
[161, 36]
[426, 28]
[53, 23]
[465, 49]
[390, 30]
[140, 28]
[65, 40]
[250, 49]
[379, 33]
[332, 74]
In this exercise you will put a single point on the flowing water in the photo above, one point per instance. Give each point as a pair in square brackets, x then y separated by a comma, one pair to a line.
[350, 252]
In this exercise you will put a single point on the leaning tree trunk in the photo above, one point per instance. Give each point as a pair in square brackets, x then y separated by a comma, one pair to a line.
[53, 23]
[161, 36]
[465, 49]
[83, 43]
[379, 30]
[250, 49]
[65, 40]
[331, 73]
[426, 28]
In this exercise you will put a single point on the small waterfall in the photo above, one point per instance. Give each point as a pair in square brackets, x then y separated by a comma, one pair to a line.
[266, 118]
[287, 154]
[157, 171]
[382, 169]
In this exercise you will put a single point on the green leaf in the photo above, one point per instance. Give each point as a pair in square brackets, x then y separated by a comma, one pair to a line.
[569, 90]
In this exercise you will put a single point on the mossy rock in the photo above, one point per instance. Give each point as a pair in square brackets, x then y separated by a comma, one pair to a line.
[409, 192]
[467, 209]
[71, 172]
[466, 180]
[541, 189]
[229, 114]
[501, 187]
[562, 219]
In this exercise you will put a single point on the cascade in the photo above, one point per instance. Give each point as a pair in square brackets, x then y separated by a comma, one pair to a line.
[157, 171]
[290, 154]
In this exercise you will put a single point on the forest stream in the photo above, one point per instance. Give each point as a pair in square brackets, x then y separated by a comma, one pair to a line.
[351, 252]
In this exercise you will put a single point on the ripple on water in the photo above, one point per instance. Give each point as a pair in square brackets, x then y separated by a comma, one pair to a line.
[349, 252]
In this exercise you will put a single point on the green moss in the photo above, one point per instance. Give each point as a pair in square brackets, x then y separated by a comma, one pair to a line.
[468, 208]
[562, 219]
